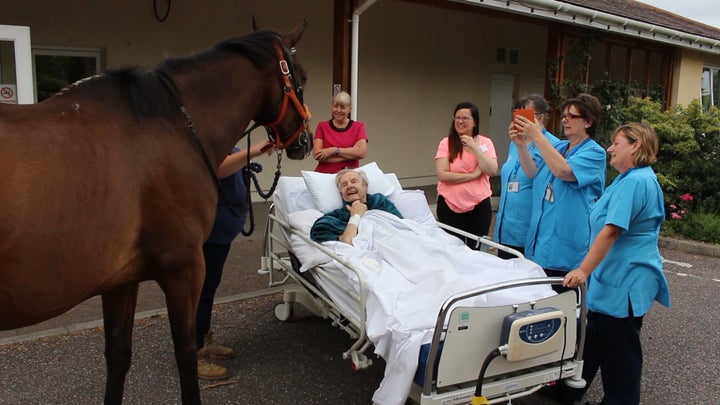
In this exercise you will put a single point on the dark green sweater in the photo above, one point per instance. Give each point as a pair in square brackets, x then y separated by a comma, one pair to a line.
[331, 225]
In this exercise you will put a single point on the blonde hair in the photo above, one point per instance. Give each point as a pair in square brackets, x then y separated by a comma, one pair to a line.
[649, 144]
[342, 98]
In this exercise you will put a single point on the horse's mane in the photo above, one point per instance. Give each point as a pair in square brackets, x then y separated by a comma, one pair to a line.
[149, 97]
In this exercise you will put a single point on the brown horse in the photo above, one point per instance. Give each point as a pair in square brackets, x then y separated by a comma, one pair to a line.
[112, 182]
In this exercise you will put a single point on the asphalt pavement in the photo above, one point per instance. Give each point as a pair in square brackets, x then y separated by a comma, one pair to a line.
[61, 361]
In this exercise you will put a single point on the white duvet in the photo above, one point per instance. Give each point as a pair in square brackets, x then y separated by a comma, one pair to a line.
[410, 270]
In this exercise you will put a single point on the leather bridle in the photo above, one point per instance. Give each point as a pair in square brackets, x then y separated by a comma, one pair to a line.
[292, 91]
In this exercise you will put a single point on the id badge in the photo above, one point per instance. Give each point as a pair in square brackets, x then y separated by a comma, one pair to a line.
[549, 195]
[513, 187]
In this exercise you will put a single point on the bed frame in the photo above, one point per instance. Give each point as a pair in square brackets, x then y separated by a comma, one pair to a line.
[452, 367]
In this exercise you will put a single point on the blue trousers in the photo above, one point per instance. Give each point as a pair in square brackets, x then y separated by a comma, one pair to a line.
[215, 256]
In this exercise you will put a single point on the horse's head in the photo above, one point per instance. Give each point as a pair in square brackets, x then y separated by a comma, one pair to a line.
[289, 130]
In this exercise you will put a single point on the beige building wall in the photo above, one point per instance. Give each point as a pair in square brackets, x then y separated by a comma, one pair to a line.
[417, 60]
[129, 34]
[688, 76]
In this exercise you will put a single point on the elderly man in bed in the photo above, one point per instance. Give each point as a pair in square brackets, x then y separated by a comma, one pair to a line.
[342, 223]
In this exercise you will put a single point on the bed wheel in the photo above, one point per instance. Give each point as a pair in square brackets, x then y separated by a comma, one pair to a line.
[284, 311]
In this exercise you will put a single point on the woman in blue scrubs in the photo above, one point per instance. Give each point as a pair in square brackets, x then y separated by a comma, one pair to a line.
[623, 267]
[513, 217]
[569, 182]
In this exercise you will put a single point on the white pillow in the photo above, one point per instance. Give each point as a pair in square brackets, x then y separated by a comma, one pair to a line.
[326, 195]
[308, 255]
[323, 190]
[291, 195]
[378, 182]
[413, 204]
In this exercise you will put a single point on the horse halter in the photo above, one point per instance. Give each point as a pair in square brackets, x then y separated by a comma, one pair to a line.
[290, 90]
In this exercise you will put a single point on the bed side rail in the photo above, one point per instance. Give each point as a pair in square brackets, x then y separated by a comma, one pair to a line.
[272, 238]
[482, 243]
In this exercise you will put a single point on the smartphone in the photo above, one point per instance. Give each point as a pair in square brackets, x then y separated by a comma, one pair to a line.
[528, 113]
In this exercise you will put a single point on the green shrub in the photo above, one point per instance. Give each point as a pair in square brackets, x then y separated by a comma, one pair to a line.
[701, 227]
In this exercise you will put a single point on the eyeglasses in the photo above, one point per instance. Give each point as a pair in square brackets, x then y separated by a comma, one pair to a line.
[463, 119]
[569, 116]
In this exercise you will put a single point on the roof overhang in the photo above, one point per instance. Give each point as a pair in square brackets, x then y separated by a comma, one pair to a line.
[586, 17]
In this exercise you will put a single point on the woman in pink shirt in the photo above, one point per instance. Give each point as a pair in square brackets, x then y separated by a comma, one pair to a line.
[464, 162]
[339, 142]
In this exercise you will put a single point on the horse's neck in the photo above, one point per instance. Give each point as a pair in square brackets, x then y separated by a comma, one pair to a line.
[221, 109]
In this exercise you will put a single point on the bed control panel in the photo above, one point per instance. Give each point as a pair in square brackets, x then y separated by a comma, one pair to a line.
[532, 333]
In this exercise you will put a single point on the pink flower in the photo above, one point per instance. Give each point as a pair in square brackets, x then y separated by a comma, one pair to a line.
[673, 206]
[686, 197]
[675, 215]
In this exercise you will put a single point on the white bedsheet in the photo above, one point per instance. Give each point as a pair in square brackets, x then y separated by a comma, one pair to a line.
[411, 269]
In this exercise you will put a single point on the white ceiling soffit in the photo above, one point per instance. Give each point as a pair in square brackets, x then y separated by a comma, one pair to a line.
[571, 14]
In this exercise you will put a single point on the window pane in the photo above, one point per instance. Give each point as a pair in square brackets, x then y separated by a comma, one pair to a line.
[716, 87]
[705, 86]
[53, 72]
[7, 62]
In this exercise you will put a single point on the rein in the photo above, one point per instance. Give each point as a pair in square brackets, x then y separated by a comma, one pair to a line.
[289, 94]
[170, 84]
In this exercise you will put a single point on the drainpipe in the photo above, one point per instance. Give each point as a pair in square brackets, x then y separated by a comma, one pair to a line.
[354, 54]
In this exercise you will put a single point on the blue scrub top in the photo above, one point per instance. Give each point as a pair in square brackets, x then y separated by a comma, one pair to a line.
[513, 217]
[559, 233]
[632, 269]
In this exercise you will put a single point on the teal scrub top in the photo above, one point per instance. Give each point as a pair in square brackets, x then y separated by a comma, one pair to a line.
[632, 270]
[559, 233]
[513, 216]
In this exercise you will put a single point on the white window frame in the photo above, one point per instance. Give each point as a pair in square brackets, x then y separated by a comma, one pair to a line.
[20, 36]
[706, 83]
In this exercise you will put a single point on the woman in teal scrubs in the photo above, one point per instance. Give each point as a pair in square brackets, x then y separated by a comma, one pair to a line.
[623, 267]
[513, 216]
[569, 182]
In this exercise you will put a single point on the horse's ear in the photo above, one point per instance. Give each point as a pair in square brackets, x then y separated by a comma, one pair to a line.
[254, 23]
[293, 37]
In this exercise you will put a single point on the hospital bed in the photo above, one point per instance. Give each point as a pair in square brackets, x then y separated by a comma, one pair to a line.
[507, 330]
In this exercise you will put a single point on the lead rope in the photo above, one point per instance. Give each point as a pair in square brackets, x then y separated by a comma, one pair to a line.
[248, 173]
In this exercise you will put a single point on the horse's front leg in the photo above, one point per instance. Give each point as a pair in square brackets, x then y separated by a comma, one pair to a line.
[182, 295]
[118, 317]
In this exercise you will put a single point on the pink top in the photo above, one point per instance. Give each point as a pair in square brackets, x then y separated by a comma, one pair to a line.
[463, 197]
[339, 138]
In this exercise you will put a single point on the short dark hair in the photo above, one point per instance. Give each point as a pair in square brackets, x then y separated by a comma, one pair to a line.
[589, 108]
[538, 103]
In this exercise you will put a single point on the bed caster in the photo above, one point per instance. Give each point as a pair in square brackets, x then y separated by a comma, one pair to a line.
[284, 311]
[360, 361]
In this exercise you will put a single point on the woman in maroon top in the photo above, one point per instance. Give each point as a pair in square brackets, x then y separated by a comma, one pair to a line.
[339, 142]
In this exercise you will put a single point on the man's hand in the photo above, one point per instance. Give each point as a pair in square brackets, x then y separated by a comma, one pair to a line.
[357, 207]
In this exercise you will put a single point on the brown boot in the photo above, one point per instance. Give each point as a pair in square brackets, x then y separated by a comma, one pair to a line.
[214, 350]
[208, 370]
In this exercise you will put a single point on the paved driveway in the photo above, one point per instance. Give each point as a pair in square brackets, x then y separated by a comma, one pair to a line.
[300, 362]
[61, 361]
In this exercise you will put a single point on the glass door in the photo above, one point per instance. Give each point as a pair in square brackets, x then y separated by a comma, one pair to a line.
[16, 77]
